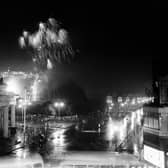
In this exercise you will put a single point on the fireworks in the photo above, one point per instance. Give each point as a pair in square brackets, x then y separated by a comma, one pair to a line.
[50, 44]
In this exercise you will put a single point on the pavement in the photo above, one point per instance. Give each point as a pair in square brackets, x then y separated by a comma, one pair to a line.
[98, 158]
[57, 153]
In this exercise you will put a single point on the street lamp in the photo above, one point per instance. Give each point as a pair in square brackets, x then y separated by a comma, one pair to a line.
[24, 113]
[59, 105]
[23, 103]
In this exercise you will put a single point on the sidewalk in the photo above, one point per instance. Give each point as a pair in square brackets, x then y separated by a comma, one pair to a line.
[95, 159]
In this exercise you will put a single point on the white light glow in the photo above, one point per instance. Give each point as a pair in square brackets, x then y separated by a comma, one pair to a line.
[59, 104]
[22, 41]
[135, 149]
[154, 156]
[139, 116]
[62, 104]
[59, 138]
[116, 128]
[56, 104]
[49, 64]
[35, 89]
[12, 86]
[119, 99]
[29, 103]
[133, 101]
[25, 34]
[20, 106]
[133, 120]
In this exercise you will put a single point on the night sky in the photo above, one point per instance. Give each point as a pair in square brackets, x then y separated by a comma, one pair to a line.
[114, 46]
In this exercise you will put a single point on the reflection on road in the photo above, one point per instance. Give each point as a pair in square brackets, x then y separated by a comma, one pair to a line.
[65, 145]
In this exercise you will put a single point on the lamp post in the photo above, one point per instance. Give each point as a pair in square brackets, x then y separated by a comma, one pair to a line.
[24, 114]
[59, 105]
[24, 125]
[23, 103]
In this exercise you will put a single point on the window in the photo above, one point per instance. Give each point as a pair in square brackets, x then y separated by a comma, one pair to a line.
[151, 120]
[156, 123]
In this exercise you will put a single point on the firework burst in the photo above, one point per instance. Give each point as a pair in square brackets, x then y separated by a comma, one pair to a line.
[49, 44]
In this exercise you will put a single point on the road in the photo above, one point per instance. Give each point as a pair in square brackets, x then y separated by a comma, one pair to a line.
[66, 145]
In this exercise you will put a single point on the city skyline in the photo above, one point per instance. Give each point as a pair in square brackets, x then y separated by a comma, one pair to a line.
[84, 82]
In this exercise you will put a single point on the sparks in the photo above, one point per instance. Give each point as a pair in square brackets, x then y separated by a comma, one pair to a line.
[49, 44]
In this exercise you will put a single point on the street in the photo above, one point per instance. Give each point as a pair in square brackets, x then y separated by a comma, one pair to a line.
[66, 146]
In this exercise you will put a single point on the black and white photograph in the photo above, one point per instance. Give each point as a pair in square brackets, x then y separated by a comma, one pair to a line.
[83, 85]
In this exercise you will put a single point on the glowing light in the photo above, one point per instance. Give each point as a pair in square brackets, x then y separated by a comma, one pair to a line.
[25, 34]
[139, 100]
[135, 149]
[58, 138]
[59, 104]
[154, 156]
[133, 116]
[34, 91]
[29, 103]
[49, 41]
[20, 106]
[20, 153]
[62, 36]
[115, 128]
[42, 26]
[62, 104]
[22, 42]
[139, 115]
[34, 88]
[56, 104]
[109, 100]
[49, 64]
[110, 130]
[119, 99]
[123, 129]
[133, 101]
[20, 100]
[12, 86]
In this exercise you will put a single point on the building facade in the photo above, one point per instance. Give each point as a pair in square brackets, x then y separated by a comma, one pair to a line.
[7, 111]
[156, 125]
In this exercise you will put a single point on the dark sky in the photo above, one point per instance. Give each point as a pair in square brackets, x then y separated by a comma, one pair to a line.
[115, 45]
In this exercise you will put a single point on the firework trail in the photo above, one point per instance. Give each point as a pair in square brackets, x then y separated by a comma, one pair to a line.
[50, 44]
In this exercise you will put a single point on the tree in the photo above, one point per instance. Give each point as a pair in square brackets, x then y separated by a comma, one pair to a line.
[74, 95]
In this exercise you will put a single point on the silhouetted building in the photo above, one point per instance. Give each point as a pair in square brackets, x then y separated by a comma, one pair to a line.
[159, 84]
[156, 118]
